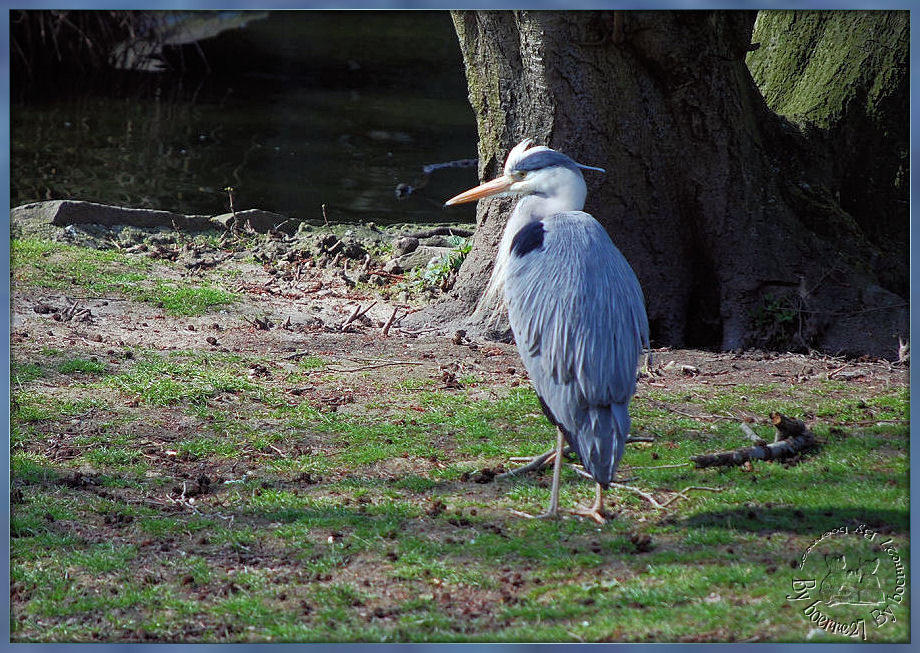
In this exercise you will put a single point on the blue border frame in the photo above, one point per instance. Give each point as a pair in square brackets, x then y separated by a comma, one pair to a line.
[413, 5]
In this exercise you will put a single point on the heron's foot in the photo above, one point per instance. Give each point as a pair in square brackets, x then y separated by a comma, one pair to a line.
[549, 514]
[594, 512]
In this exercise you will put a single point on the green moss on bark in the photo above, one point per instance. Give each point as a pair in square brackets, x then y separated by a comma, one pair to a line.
[812, 65]
[842, 76]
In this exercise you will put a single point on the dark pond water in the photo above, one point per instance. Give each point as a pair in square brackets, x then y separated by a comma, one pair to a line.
[294, 110]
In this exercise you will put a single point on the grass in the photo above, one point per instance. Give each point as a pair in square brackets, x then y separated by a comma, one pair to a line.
[53, 265]
[174, 497]
[80, 365]
[717, 565]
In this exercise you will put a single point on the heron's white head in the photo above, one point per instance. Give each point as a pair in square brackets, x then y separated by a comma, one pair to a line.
[538, 171]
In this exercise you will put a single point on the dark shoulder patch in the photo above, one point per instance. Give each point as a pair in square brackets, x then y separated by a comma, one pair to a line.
[529, 238]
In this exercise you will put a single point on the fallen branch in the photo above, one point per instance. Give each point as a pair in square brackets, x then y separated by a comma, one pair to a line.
[792, 437]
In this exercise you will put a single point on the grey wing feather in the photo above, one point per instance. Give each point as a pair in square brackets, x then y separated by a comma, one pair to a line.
[578, 316]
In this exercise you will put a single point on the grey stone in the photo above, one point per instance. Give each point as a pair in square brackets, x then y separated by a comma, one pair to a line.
[392, 267]
[258, 219]
[405, 245]
[62, 213]
[421, 256]
[437, 241]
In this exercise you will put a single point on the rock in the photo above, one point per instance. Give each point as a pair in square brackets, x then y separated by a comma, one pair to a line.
[392, 267]
[351, 248]
[405, 245]
[62, 213]
[346, 246]
[422, 256]
[437, 241]
[260, 221]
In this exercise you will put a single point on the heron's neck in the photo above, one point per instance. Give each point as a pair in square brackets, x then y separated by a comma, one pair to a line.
[561, 190]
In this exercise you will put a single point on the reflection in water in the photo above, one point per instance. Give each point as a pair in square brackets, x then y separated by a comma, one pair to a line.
[294, 111]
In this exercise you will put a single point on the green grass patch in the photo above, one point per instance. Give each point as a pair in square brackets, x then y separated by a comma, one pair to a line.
[80, 365]
[182, 299]
[162, 381]
[50, 264]
[366, 523]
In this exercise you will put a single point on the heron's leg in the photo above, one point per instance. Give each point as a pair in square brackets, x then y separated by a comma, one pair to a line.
[557, 474]
[595, 512]
[553, 509]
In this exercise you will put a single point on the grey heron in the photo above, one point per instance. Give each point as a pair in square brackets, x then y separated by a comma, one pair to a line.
[575, 307]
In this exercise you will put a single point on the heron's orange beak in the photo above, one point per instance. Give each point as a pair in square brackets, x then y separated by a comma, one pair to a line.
[498, 185]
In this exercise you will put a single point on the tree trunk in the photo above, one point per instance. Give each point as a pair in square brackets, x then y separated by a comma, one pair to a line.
[723, 208]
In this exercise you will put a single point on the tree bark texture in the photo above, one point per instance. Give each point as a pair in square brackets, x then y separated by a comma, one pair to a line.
[843, 79]
[730, 221]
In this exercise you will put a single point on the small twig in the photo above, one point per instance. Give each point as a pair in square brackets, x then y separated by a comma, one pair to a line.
[229, 190]
[660, 466]
[325, 219]
[296, 354]
[645, 495]
[535, 463]
[371, 367]
[386, 327]
[681, 495]
[839, 369]
[387, 275]
[364, 312]
[751, 435]
[354, 316]
[417, 332]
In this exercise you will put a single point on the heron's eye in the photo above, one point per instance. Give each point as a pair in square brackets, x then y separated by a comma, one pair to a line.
[519, 175]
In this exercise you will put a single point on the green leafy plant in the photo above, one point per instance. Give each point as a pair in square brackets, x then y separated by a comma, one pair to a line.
[441, 273]
[777, 320]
